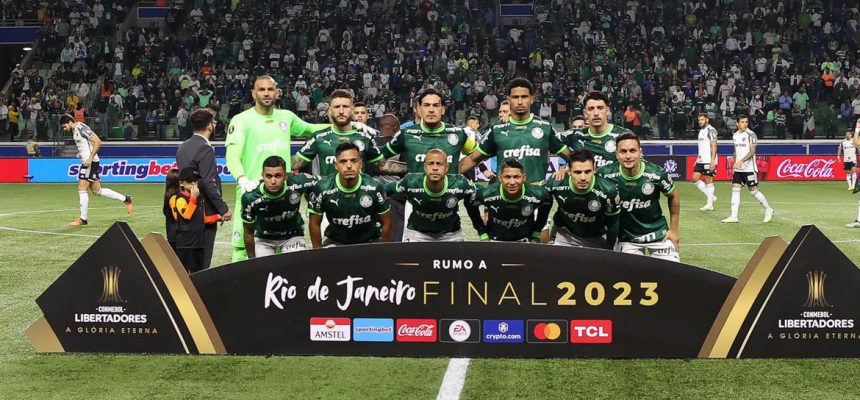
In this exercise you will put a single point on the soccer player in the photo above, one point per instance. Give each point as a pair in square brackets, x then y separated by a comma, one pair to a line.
[88, 144]
[847, 151]
[525, 137]
[359, 110]
[504, 111]
[271, 213]
[431, 133]
[642, 225]
[253, 136]
[353, 202]
[706, 162]
[323, 144]
[517, 211]
[435, 196]
[745, 170]
[587, 214]
[600, 138]
[578, 123]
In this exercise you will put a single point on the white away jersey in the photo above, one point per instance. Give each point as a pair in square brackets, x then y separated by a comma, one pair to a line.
[744, 143]
[706, 135]
[849, 151]
[82, 134]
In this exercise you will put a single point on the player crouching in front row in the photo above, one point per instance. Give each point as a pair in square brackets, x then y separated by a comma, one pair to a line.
[517, 212]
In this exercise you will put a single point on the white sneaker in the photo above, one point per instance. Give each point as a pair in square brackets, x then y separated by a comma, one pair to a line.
[768, 215]
[707, 207]
[730, 220]
[855, 224]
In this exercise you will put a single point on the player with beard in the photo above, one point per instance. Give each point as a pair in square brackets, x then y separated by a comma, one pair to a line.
[517, 211]
[600, 137]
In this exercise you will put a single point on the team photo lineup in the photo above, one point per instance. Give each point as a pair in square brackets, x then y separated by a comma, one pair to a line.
[429, 198]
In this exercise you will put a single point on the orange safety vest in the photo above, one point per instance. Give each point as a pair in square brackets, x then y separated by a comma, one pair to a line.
[80, 115]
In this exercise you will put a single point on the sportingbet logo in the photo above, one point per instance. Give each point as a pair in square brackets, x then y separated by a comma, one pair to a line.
[416, 330]
[330, 329]
[139, 171]
[591, 331]
[806, 169]
[630, 205]
[524, 151]
[420, 158]
[351, 221]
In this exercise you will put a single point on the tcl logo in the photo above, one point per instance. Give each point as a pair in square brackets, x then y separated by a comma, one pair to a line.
[591, 331]
[808, 169]
[416, 330]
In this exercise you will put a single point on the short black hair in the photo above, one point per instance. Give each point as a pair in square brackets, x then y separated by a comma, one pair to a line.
[742, 116]
[344, 147]
[578, 118]
[581, 155]
[595, 95]
[628, 136]
[342, 94]
[359, 104]
[473, 117]
[426, 92]
[66, 118]
[512, 163]
[520, 82]
[200, 119]
[274, 162]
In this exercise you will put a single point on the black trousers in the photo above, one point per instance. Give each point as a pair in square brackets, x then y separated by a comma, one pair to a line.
[208, 244]
[398, 208]
[192, 259]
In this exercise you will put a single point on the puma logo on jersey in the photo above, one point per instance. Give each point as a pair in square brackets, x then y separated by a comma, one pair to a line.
[503, 133]
[333, 201]
[327, 142]
[495, 208]
[563, 198]
[417, 201]
[524, 151]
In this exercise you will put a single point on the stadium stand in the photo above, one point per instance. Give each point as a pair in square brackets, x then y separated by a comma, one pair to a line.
[792, 66]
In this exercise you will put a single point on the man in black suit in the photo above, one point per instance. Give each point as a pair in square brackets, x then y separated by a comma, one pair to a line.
[197, 153]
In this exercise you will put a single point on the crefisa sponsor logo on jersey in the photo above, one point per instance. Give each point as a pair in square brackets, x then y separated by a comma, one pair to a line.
[113, 314]
[817, 318]
[806, 169]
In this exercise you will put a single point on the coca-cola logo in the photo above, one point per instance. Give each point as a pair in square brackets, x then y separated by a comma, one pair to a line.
[416, 330]
[816, 168]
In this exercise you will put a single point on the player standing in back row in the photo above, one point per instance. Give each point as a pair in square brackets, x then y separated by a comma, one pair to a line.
[706, 162]
[88, 144]
[848, 153]
[745, 170]
[600, 136]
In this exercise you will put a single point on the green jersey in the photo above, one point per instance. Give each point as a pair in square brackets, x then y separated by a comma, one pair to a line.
[602, 145]
[530, 141]
[642, 219]
[353, 213]
[417, 140]
[434, 212]
[584, 213]
[514, 220]
[276, 216]
[252, 138]
[324, 143]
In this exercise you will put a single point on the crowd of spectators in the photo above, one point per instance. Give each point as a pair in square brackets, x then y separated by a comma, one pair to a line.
[792, 66]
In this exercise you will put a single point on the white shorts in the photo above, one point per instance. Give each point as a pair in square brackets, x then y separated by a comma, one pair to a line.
[561, 236]
[269, 247]
[407, 211]
[410, 235]
[664, 250]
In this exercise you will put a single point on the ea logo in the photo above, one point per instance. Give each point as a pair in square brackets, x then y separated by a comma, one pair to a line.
[647, 188]
[459, 331]
[610, 146]
[537, 133]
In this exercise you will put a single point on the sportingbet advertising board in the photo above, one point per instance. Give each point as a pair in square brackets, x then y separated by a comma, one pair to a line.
[122, 170]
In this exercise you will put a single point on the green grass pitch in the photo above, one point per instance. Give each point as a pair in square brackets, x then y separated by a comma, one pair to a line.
[37, 245]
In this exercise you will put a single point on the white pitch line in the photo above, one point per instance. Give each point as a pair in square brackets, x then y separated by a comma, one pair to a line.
[62, 210]
[6, 228]
[455, 377]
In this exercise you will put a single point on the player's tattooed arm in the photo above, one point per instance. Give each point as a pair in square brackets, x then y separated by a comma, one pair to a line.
[471, 161]
[474, 213]
[391, 167]
[298, 162]
[249, 240]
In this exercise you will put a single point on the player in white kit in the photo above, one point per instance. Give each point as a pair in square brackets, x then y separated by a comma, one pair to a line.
[856, 223]
[745, 170]
[88, 144]
[706, 162]
[848, 153]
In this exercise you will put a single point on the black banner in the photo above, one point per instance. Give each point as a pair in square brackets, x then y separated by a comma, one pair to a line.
[676, 166]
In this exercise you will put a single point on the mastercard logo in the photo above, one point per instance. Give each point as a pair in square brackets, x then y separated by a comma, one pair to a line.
[550, 331]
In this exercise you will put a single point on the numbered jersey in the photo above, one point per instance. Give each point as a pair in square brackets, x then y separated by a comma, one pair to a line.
[707, 135]
[583, 213]
[744, 143]
[417, 140]
[81, 134]
[434, 212]
[602, 145]
[641, 219]
[353, 213]
[512, 220]
[324, 143]
[530, 141]
[849, 151]
[276, 216]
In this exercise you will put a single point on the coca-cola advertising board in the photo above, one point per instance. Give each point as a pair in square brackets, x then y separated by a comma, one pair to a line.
[781, 168]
